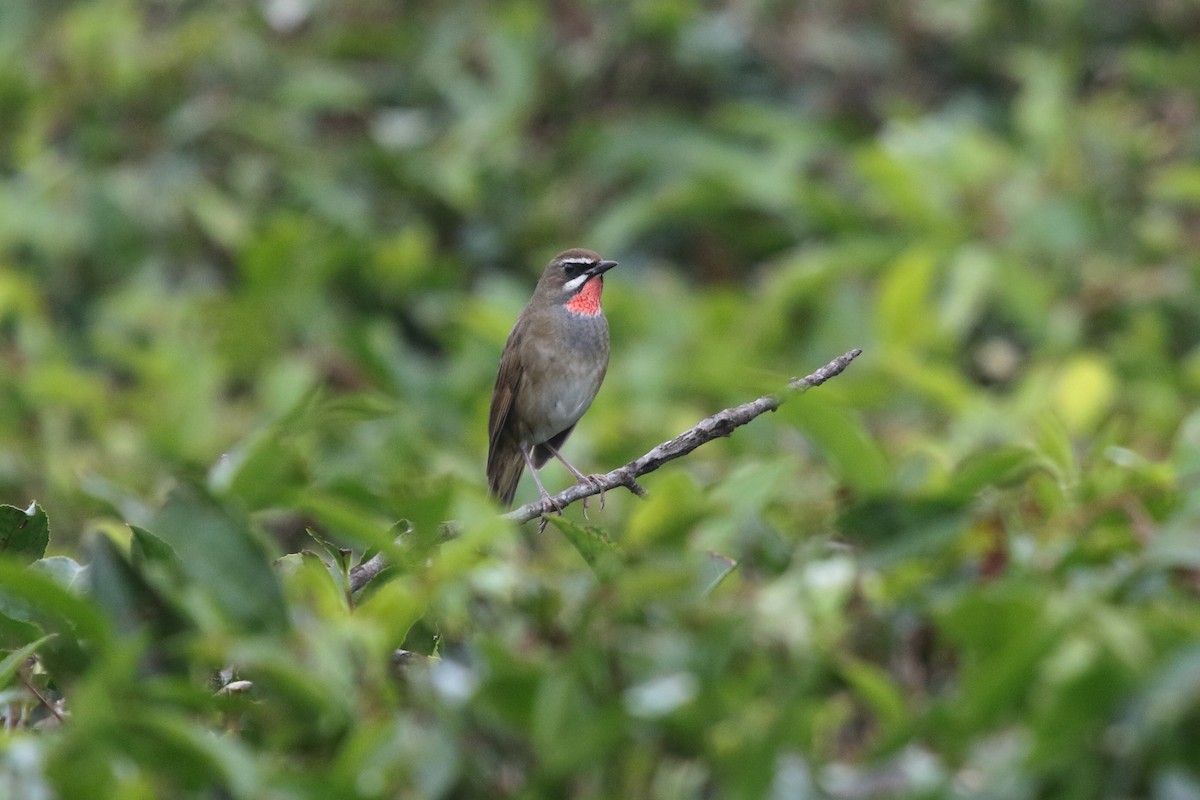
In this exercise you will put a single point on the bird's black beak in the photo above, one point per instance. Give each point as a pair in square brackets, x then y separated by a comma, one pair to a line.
[601, 268]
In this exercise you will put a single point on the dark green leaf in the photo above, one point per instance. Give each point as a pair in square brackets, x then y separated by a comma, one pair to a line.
[15, 633]
[24, 535]
[130, 601]
[892, 528]
[223, 558]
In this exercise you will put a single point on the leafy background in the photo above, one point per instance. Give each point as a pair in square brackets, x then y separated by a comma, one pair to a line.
[257, 262]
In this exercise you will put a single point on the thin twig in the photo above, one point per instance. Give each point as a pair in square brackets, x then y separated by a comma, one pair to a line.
[41, 697]
[720, 424]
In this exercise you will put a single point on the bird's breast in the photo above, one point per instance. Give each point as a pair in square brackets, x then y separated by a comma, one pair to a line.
[566, 366]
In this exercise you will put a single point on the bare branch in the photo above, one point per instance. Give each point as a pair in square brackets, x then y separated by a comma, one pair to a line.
[720, 424]
[362, 574]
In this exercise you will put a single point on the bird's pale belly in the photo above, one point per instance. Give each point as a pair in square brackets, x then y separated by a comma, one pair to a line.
[560, 404]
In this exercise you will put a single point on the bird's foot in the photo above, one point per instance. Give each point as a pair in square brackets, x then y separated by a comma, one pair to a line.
[553, 507]
[596, 482]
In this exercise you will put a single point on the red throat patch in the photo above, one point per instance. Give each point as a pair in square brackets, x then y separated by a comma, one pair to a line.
[587, 300]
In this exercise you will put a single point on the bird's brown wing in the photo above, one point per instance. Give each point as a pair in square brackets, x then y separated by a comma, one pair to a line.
[508, 381]
[505, 462]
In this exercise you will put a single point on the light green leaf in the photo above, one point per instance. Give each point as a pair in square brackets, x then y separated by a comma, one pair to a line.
[601, 554]
[14, 660]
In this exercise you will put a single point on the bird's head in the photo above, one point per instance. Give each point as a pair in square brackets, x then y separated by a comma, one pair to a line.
[574, 278]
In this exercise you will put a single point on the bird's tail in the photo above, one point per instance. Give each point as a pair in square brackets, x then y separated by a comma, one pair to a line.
[504, 467]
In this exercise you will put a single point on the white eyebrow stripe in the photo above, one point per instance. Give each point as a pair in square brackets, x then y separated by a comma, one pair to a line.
[578, 261]
[575, 283]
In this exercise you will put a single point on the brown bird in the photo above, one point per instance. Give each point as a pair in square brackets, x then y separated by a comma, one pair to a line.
[550, 371]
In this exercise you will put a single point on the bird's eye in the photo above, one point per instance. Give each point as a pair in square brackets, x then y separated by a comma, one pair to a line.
[573, 268]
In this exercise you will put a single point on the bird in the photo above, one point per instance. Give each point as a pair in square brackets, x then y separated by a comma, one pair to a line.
[550, 371]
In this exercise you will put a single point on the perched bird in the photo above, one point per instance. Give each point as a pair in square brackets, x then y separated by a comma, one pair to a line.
[550, 371]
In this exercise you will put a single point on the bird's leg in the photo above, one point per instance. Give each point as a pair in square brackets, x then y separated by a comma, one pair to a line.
[594, 480]
[545, 495]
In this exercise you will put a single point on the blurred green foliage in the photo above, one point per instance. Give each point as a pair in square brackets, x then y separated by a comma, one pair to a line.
[257, 263]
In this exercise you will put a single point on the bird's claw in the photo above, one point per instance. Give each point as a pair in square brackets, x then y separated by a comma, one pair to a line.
[553, 507]
[596, 482]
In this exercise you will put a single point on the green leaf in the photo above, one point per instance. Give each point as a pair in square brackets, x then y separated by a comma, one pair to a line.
[15, 632]
[667, 515]
[601, 554]
[124, 593]
[1054, 444]
[715, 569]
[395, 606]
[354, 522]
[565, 729]
[877, 689]
[223, 558]
[893, 528]
[1001, 633]
[28, 596]
[24, 534]
[1186, 451]
[1166, 695]
[904, 314]
[312, 698]
[261, 470]
[1177, 543]
[1000, 466]
[843, 439]
[1179, 183]
[339, 555]
[747, 490]
[1084, 390]
[146, 548]
[67, 571]
[187, 752]
[14, 660]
